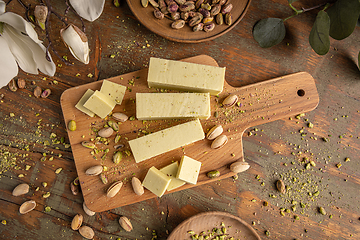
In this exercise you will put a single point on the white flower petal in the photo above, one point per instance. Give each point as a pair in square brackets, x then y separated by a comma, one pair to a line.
[2, 6]
[20, 24]
[8, 66]
[88, 9]
[78, 47]
[20, 50]
[29, 55]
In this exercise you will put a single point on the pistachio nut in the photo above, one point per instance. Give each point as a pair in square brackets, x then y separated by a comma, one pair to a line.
[198, 27]
[46, 93]
[175, 16]
[178, 24]
[230, 100]
[12, 85]
[106, 132]
[74, 189]
[204, 12]
[125, 224]
[144, 3]
[172, 7]
[180, 2]
[76, 222]
[198, 3]
[88, 144]
[209, 27]
[219, 142]
[280, 186]
[219, 19]
[86, 232]
[117, 157]
[195, 20]
[238, 166]
[113, 125]
[154, 3]
[20, 189]
[226, 8]
[222, 2]
[208, 20]
[94, 170]
[87, 210]
[213, 2]
[322, 210]
[214, 132]
[161, 4]
[103, 178]
[215, 10]
[188, 6]
[27, 206]
[137, 186]
[228, 19]
[114, 189]
[21, 83]
[120, 117]
[184, 15]
[206, 6]
[119, 146]
[37, 91]
[72, 125]
[158, 14]
[213, 174]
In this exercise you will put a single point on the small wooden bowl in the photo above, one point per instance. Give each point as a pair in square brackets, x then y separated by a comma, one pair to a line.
[208, 220]
[186, 35]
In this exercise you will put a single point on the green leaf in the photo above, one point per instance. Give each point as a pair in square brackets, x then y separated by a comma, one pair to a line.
[344, 15]
[269, 32]
[319, 36]
[291, 1]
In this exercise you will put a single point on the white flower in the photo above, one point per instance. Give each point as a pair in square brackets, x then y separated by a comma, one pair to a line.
[88, 9]
[77, 42]
[19, 45]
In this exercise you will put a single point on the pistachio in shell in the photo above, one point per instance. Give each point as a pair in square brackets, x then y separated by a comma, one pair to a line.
[230, 100]
[86, 232]
[94, 170]
[125, 224]
[238, 166]
[219, 142]
[27, 206]
[280, 185]
[76, 222]
[114, 189]
[214, 132]
[20, 189]
[87, 210]
[106, 132]
[137, 186]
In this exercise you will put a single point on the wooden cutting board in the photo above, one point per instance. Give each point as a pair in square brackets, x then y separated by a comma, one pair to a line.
[258, 104]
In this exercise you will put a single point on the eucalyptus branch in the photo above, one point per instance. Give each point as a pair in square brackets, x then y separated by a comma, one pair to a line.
[67, 10]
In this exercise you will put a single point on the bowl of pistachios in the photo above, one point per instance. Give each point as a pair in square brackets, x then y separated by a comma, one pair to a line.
[189, 21]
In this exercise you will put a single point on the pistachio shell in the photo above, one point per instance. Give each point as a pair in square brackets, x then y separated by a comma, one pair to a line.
[27, 206]
[125, 224]
[214, 132]
[74, 189]
[237, 167]
[230, 100]
[106, 132]
[121, 117]
[219, 142]
[137, 186]
[86, 232]
[20, 189]
[114, 189]
[94, 170]
[76, 222]
[87, 210]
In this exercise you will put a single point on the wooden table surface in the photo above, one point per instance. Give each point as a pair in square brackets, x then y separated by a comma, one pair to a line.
[31, 128]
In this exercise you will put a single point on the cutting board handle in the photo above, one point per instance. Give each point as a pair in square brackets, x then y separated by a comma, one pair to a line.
[273, 99]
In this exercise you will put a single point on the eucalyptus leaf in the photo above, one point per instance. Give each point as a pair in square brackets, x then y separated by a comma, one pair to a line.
[291, 1]
[344, 15]
[319, 36]
[269, 32]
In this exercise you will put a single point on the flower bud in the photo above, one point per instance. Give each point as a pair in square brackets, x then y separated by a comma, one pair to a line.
[41, 13]
[77, 42]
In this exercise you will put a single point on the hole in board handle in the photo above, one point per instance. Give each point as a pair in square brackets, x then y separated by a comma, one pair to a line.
[301, 92]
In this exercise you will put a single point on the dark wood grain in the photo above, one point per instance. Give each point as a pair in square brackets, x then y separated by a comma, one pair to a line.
[277, 150]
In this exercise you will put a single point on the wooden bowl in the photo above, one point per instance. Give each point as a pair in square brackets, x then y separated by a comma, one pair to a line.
[186, 35]
[235, 226]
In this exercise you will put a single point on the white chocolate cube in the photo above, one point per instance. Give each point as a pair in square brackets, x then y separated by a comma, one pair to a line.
[113, 91]
[171, 171]
[156, 181]
[100, 104]
[83, 99]
[189, 170]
